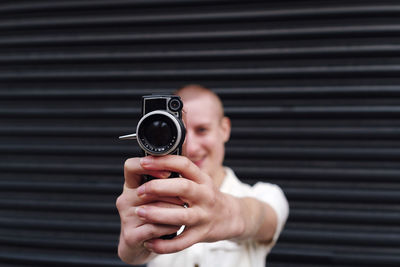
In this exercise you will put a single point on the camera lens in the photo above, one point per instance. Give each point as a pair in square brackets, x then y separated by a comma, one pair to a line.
[175, 104]
[158, 133]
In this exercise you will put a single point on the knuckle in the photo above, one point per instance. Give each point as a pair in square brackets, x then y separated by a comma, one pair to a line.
[151, 187]
[155, 187]
[129, 164]
[202, 217]
[120, 203]
[191, 218]
[186, 163]
[210, 196]
[121, 253]
[186, 187]
[151, 215]
[185, 218]
[151, 231]
[163, 249]
[130, 237]
[159, 250]
[125, 217]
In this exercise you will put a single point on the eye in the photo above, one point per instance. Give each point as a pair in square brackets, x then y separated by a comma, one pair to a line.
[201, 130]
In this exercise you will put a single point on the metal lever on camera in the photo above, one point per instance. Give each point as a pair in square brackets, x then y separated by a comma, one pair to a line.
[128, 136]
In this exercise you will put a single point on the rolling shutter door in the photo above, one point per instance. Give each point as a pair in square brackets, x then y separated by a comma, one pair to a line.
[312, 88]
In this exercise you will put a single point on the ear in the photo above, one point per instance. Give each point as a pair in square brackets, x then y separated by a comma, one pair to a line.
[226, 128]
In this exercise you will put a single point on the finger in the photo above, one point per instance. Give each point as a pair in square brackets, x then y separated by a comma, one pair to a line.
[129, 200]
[159, 174]
[133, 172]
[146, 232]
[171, 215]
[174, 163]
[184, 188]
[188, 238]
[151, 198]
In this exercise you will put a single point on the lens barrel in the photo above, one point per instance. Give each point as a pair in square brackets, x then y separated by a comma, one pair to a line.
[160, 133]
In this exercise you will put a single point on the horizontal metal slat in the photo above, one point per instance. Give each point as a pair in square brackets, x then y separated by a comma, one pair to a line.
[60, 243]
[236, 112]
[328, 153]
[317, 132]
[227, 16]
[95, 94]
[59, 112]
[310, 92]
[348, 92]
[62, 187]
[321, 153]
[59, 206]
[358, 217]
[68, 150]
[226, 54]
[84, 4]
[61, 225]
[64, 131]
[342, 238]
[55, 259]
[344, 195]
[313, 112]
[319, 174]
[320, 32]
[289, 72]
[61, 168]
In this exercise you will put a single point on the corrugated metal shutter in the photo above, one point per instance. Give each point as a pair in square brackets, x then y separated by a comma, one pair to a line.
[312, 88]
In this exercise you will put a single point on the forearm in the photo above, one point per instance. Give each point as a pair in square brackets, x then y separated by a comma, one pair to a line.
[255, 220]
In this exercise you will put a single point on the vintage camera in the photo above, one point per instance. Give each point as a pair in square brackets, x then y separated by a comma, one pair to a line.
[160, 131]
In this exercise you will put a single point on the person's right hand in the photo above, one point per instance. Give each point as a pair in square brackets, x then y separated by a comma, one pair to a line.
[134, 231]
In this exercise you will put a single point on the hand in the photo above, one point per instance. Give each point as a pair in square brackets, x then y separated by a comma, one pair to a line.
[210, 213]
[134, 230]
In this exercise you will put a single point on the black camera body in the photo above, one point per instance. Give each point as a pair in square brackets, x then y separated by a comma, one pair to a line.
[161, 131]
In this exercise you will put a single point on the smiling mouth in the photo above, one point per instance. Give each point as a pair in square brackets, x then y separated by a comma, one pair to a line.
[199, 162]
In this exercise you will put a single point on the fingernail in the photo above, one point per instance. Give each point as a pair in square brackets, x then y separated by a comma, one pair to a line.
[148, 246]
[146, 160]
[165, 174]
[141, 190]
[141, 212]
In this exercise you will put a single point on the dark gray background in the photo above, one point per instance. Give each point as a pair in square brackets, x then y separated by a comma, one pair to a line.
[312, 88]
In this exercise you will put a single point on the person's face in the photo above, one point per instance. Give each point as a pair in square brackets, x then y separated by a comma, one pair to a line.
[206, 134]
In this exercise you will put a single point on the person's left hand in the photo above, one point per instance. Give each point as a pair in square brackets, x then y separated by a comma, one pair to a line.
[210, 214]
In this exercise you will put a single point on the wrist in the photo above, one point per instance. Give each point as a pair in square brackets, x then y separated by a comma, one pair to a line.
[236, 218]
[135, 254]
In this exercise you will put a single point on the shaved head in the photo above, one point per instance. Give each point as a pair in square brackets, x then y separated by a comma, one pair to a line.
[194, 91]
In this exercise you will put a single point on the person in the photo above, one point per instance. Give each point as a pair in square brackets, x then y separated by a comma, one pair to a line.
[227, 222]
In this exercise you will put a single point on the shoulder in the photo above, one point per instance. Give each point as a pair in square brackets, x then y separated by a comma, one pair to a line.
[268, 193]
[232, 185]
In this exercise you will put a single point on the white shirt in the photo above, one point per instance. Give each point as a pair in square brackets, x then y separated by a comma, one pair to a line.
[228, 253]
